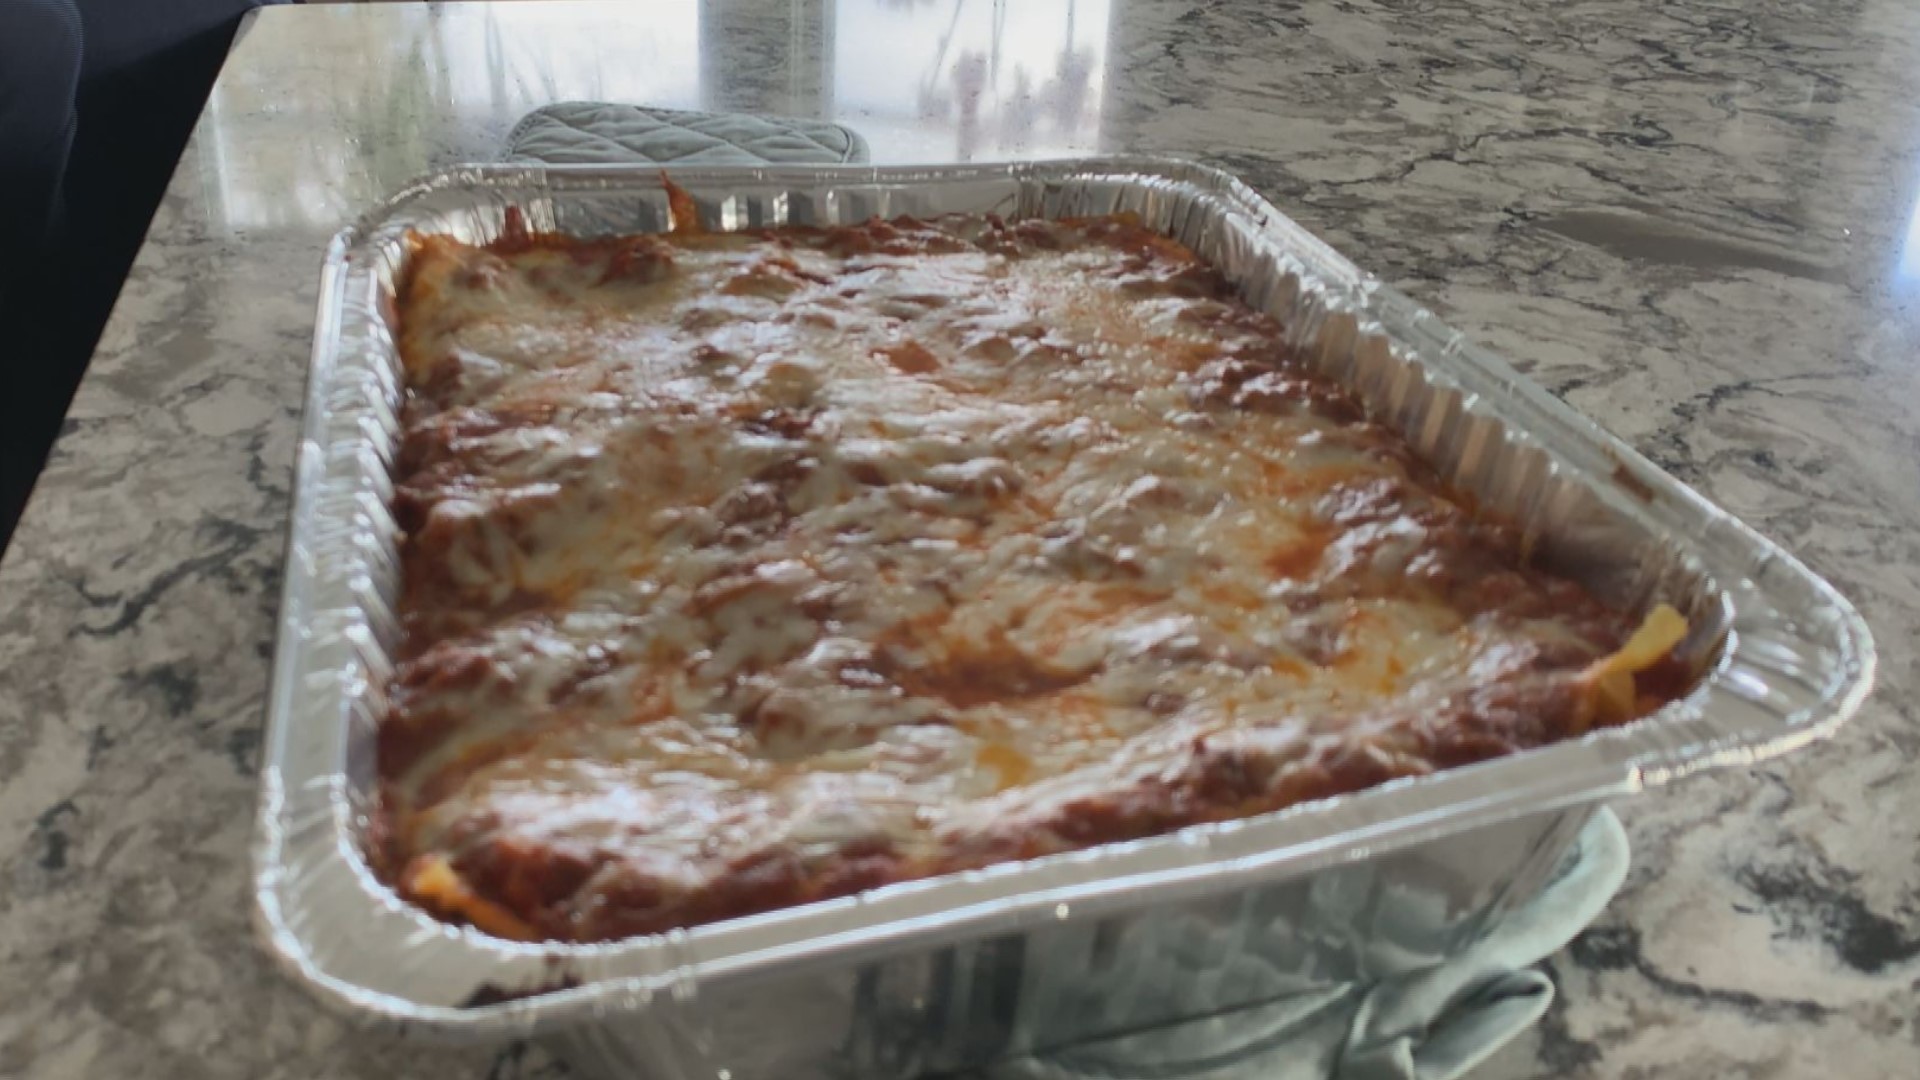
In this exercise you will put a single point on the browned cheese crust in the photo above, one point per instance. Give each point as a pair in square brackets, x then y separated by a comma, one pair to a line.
[741, 571]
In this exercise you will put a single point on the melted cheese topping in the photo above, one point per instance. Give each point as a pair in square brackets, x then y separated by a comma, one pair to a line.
[745, 570]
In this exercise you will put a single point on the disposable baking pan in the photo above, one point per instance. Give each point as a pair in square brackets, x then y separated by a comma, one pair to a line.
[956, 971]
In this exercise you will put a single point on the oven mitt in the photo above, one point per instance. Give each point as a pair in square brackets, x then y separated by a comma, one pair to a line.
[1433, 1024]
[1440, 1023]
[592, 132]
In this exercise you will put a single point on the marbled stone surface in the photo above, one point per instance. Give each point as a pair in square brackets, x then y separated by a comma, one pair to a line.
[1699, 222]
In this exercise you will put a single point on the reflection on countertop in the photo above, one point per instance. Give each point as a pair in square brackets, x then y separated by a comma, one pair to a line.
[998, 79]
[1696, 223]
[925, 80]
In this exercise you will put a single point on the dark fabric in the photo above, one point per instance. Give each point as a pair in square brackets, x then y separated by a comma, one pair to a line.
[131, 33]
[145, 69]
[40, 50]
[40, 65]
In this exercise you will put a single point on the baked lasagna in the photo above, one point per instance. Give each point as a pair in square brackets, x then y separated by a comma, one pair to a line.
[741, 571]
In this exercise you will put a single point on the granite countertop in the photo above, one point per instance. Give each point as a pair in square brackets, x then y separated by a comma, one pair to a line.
[1698, 222]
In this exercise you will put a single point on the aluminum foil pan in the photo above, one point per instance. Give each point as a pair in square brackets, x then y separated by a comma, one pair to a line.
[954, 971]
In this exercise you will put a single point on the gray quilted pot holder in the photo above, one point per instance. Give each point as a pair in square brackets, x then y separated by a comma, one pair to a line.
[1433, 1024]
[592, 132]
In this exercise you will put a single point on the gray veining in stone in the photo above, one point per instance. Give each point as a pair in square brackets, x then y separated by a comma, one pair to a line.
[1698, 222]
